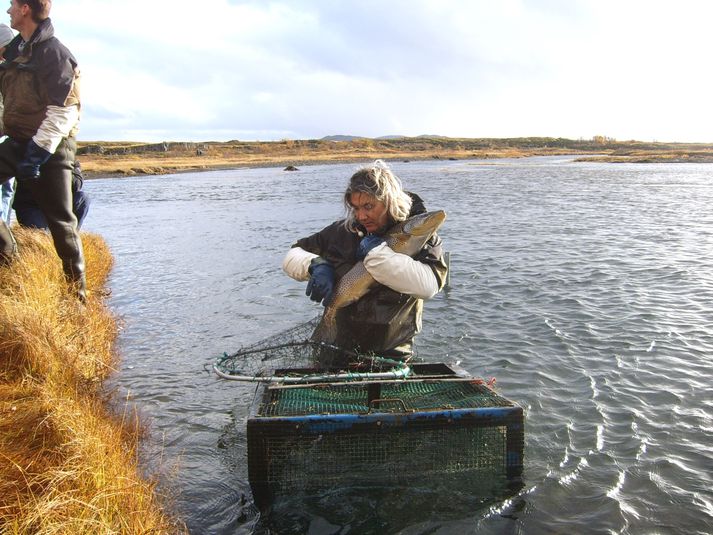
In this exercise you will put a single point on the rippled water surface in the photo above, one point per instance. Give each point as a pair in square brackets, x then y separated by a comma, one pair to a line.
[585, 289]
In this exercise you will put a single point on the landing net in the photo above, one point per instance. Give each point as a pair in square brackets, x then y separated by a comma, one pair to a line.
[292, 357]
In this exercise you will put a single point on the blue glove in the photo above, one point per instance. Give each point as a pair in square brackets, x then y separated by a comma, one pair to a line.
[321, 281]
[366, 244]
[29, 166]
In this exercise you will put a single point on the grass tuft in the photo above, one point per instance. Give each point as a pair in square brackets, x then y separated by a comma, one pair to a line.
[68, 457]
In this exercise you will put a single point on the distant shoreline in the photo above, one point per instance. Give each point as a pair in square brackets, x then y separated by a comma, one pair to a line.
[123, 159]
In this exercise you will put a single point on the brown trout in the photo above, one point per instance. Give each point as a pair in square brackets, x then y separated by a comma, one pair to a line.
[407, 237]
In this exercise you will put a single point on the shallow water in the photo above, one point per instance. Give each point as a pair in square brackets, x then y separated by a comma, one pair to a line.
[585, 289]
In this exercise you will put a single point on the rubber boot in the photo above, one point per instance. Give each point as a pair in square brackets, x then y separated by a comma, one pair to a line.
[8, 245]
[78, 287]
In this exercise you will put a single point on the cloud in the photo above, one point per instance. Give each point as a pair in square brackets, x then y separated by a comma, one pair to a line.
[224, 69]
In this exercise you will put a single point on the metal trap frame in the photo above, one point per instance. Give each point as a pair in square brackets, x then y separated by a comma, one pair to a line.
[330, 434]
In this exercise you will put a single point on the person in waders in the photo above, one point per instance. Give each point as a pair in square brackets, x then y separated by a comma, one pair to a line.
[39, 82]
[386, 319]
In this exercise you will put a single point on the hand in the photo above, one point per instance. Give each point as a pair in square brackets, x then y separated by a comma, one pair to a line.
[321, 281]
[29, 166]
[366, 244]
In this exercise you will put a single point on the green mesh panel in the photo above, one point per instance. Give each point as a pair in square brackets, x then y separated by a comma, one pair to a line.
[354, 398]
[300, 462]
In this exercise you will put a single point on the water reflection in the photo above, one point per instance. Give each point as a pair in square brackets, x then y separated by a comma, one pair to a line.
[372, 510]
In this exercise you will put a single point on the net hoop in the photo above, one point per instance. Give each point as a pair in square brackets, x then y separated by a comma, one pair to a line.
[401, 373]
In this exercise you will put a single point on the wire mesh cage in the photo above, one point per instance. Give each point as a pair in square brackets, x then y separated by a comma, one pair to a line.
[382, 432]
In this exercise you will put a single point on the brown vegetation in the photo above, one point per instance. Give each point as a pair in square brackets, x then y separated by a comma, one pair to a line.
[121, 159]
[68, 462]
[112, 159]
[672, 155]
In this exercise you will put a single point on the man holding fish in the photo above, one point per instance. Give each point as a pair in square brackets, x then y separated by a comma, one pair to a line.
[373, 269]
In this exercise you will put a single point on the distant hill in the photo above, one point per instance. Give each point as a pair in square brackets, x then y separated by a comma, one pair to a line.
[341, 138]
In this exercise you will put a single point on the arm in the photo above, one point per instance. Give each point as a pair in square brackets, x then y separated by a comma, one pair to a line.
[59, 75]
[333, 243]
[296, 263]
[302, 265]
[401, 273]
[319, 258]
[421, 276]
[58, 123]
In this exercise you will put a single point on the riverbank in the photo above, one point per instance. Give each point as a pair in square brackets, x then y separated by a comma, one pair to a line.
[107, 159]
[648, 156]
[112, 160]
[68, 451]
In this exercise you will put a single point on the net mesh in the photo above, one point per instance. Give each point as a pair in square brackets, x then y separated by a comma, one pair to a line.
[398, 396]
[322, 452]
[299, 462]
[291, 356]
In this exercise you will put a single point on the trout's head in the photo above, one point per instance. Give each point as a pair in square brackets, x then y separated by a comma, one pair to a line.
[409, 236]
[424, 224]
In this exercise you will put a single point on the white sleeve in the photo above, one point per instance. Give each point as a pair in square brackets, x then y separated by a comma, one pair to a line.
[58, 123]
[296, 263]
[400, 272]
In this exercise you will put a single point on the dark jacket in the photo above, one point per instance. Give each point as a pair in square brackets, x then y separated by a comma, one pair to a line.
[44, 74]
[384, 321]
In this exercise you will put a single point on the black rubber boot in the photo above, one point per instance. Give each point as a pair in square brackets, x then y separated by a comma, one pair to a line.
[8, 245]
[79, 288]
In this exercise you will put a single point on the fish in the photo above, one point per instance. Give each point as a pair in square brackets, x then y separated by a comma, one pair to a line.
[407, 237]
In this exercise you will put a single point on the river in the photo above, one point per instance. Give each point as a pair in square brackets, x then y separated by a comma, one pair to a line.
[585, 289]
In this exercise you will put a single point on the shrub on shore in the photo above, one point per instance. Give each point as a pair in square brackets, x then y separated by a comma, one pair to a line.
[68, 456]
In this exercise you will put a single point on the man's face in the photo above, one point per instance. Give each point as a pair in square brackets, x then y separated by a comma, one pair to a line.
[17, 12]
[369, 212]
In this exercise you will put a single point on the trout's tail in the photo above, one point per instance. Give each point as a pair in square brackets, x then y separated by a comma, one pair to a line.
[326, 330]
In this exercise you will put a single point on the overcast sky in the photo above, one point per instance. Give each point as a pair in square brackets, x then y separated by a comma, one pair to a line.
[296, 69]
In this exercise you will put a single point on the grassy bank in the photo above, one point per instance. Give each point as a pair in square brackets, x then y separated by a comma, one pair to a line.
[125, 159]
[68, 455]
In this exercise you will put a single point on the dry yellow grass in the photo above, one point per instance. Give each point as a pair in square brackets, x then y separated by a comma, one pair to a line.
[68, 461]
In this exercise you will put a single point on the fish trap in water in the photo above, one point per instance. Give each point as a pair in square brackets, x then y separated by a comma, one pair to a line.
[292, 357]
[437, 423]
